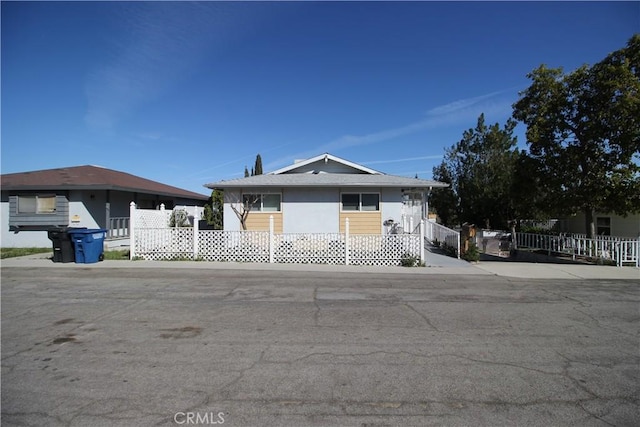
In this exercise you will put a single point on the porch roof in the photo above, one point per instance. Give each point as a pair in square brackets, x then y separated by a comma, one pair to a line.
[327, 180]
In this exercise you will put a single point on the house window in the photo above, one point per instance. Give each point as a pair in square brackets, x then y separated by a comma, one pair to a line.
[41, 204]
[262, 202]
[603, 226]
[367, 202]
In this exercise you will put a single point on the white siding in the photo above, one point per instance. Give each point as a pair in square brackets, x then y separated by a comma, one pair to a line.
[391, 204]
[230, 220]
[311, 210]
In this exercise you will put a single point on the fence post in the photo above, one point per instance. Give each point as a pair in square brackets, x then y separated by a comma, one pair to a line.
[422, 255]
[196, 233]
[410, 225]
[458, 238]
[271, 242]
[346, 241]
[132, 234]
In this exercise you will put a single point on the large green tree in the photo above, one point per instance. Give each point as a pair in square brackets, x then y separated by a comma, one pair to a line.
[480, 169]
[444, 200]
[583, 132]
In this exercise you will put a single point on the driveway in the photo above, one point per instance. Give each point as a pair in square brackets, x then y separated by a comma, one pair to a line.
[85, 345]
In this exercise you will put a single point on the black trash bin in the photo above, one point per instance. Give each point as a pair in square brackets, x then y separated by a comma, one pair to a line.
[63, 250]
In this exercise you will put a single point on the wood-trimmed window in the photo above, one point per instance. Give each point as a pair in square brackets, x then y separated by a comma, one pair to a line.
[37, 204]
[267, 202]
[363, 202]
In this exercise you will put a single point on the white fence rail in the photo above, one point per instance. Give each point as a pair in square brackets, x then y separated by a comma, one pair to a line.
[619, 250]
[153, 239]
[436, 232]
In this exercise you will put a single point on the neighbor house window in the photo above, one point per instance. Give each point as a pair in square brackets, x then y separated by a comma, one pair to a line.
[361, 202]
[41, 204]
[262, 202]
[603, 226]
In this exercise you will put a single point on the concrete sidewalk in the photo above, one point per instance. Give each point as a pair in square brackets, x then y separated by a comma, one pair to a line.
[436, 265]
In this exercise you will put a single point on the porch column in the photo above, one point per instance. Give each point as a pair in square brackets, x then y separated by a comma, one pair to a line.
[107, 214]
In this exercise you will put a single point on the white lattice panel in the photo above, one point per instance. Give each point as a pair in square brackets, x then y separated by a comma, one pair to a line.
[309, 248]
[164, 244]
[235, 246]
[147, 218]
[387, 249]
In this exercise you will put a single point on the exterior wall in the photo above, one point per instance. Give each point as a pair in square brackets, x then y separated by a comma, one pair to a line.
[329, 167]
[259, 221]
[620, 226]
[23, 239]
[56, 219]
[229, 218]
[391, 204]
[316, 210]
[362, 222]
[311, 210]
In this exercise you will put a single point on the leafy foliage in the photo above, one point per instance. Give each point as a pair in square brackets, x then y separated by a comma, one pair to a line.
[583, 132]
[214, 210]
[179, 218]
[480, 169]
[472, 254]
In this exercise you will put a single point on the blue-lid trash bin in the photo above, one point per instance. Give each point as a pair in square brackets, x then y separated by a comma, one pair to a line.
[89, 244]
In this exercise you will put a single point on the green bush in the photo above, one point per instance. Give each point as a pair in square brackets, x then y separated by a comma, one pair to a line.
[472, 254]
[409, 260]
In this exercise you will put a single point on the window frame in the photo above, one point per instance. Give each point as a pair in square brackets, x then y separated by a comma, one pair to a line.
[607, 226]
[360, 205]
[38, 206]
[261, 202]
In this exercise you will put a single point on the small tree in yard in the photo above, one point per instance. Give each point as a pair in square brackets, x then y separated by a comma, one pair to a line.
[243, 207]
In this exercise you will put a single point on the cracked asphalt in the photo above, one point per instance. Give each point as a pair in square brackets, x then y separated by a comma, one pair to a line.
[137, 347]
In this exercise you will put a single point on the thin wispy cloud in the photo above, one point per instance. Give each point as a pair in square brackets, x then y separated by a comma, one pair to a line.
[463, 112]
[159, 44]
[406, 159]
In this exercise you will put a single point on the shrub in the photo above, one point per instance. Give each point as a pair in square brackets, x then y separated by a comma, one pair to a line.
[472, 254]
[409, 260]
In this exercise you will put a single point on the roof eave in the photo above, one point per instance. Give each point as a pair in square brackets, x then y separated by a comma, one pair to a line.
[100, 187]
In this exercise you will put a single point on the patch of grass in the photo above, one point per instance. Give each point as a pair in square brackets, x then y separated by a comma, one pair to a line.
[15, 252]
[122, 254]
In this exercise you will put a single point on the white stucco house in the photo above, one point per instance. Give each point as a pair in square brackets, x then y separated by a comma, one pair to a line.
[318, 194]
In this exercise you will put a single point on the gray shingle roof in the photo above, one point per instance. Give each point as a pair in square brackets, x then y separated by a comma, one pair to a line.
[326, 180]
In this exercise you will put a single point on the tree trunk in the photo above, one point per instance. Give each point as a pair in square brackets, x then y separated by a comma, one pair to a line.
[589, 224]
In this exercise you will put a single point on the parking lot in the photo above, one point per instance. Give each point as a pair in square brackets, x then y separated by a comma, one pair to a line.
[84, 345]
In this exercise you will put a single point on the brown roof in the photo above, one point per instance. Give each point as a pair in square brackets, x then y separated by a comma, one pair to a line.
[90, 178]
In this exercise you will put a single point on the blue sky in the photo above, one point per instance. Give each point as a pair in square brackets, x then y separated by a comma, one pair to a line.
[189, 93]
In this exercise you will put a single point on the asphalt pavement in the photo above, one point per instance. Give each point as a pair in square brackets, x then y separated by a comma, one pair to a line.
[184, 343]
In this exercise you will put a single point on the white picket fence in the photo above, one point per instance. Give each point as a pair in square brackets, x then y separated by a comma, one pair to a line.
[152, 239]
[622, 251]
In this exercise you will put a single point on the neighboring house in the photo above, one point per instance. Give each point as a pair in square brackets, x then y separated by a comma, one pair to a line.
[81, 196]
[606, 225]
[317, 195]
